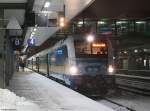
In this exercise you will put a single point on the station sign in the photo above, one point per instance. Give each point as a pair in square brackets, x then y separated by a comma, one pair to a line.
[17, 42]
[31, 42]
[59, 52]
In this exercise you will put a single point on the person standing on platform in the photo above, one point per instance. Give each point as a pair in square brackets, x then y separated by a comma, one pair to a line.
[22, 64]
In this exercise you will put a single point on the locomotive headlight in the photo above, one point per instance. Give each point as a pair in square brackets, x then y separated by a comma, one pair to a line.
[110, 69]
[73, 70]
[90, 38]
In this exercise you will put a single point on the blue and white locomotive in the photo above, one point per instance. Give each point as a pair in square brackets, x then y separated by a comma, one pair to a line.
[83, 65]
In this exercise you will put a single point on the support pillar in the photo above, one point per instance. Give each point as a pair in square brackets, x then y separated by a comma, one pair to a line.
[2, 52]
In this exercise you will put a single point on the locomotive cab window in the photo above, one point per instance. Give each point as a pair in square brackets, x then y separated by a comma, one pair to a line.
[98, 48]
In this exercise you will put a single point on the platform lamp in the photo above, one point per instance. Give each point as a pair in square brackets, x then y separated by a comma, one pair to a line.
[61, 21]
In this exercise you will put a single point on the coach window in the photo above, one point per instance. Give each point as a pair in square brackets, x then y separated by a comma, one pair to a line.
[122, 27]
[105, 27]
[140, 26]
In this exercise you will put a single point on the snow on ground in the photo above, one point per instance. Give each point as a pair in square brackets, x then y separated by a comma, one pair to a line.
[9, 101]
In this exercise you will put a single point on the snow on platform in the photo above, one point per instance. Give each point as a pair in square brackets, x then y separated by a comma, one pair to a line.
[51, 96]
[9, 101]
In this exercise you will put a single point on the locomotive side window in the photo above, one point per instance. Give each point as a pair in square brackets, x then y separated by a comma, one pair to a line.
[59, 56]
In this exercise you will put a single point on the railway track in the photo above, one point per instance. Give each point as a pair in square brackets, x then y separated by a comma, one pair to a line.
[120, 105]
[136, 84]
[139, 85]
[114, 105]
[126, 101]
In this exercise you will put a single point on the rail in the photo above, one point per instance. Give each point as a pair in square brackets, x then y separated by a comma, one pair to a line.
[133, 83]
[142, 73]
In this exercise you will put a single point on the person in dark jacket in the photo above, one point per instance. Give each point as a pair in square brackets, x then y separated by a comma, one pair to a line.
[22, 64]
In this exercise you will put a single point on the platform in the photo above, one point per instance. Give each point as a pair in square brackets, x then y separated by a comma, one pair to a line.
[50, 95]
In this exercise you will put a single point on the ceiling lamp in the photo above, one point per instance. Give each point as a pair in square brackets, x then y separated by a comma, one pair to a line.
[35, 29]
[47, 4]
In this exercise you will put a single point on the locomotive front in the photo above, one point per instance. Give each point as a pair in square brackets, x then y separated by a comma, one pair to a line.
[93, 71]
